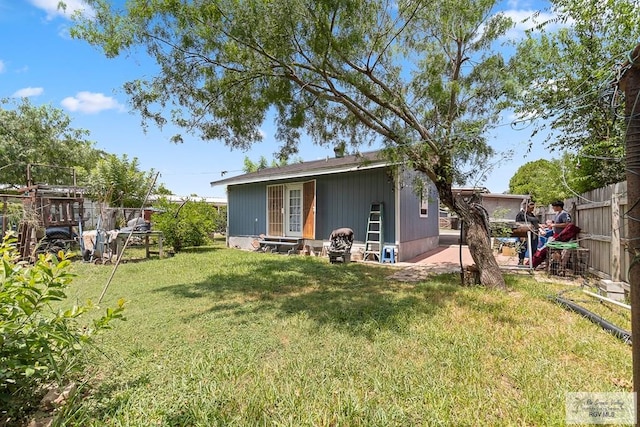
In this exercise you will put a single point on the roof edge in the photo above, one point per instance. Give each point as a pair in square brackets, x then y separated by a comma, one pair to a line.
[350, 163]
[302, 174]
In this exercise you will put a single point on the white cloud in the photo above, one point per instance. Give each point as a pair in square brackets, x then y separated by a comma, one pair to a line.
[91, 103]
[27, 92]
[51, 7]
[526, 19]
[2, 66]
[524, 4]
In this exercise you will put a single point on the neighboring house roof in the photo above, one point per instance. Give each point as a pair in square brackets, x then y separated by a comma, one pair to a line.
[487, 194]
[467, 191]
[508, 196]
[330, 165]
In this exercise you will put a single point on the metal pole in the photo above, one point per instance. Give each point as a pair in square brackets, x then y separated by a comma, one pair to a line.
[461, 224]
[529, 236]
[126, 242]
[612, 301]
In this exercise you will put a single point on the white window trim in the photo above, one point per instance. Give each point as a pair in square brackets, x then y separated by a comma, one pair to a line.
[424, 204]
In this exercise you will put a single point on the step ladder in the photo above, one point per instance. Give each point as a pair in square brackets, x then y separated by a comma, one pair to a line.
[374, 239]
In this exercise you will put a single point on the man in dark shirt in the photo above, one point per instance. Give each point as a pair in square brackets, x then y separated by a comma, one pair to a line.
[528, 217]
[562, 218]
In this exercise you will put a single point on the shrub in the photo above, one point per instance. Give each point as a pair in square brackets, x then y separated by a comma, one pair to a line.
[220, 222]
[40, 346]
[187, 224]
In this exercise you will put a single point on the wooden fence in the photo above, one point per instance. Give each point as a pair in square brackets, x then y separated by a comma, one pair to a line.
[600, 214]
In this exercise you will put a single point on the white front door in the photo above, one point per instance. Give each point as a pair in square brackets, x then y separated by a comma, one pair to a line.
[293, 210]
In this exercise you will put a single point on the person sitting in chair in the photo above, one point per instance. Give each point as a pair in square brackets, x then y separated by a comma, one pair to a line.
[527, 216]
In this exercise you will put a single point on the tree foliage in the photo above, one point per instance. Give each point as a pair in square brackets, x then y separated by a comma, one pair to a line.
[41, 135]
[251, 166]
[162, 190]
[263, 163]
[119, 182]
[419, 75]
[545, 180]
[569, 68]
[422, 77]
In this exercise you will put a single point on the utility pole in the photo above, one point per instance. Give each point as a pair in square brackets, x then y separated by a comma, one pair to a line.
[630, 84]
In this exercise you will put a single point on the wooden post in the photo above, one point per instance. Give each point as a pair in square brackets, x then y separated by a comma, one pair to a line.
[615, 235]
[4, 216]
[630, 84]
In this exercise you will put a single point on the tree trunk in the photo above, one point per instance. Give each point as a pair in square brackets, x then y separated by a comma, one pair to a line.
[470, 211]
[476, 222]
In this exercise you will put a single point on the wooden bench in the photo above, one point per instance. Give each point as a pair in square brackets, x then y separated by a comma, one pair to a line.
[278, 243]
[122, 237]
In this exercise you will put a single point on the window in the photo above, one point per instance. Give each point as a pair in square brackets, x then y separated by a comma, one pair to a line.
[424, 203]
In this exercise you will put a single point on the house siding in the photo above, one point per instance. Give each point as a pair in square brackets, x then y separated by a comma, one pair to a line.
[502, 208]
[342, 200]
[417, 234]
[247, 205]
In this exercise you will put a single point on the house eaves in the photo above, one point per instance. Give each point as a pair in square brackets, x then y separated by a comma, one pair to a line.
[362, 161]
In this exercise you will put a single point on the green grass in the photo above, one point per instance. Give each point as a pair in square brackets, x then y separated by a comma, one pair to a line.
[225, 337]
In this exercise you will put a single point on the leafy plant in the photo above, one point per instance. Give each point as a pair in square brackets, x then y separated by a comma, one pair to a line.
[187, 224]
[39, 345]
[546, 180]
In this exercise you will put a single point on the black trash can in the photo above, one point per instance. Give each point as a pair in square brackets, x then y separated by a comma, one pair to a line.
[455, 223]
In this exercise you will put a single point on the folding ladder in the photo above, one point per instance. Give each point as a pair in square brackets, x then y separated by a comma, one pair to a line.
[375, 238]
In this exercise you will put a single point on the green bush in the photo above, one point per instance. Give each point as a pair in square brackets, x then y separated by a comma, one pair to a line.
[40, 346]
[187, 224]
[220, 222]
[13, 214]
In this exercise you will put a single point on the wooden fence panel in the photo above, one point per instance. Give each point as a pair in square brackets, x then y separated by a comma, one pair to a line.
[600, 214]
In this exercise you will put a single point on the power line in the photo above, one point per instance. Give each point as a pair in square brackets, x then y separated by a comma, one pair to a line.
[220, 173]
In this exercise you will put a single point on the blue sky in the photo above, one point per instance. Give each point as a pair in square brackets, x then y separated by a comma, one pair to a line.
[40, 61]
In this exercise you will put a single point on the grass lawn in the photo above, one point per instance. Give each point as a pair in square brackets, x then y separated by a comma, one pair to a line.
[225, 337]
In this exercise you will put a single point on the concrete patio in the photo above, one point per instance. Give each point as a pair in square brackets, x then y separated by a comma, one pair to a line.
[446, 259]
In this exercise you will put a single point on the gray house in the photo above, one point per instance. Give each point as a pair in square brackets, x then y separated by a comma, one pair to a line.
[309, 200]
[500, 207]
